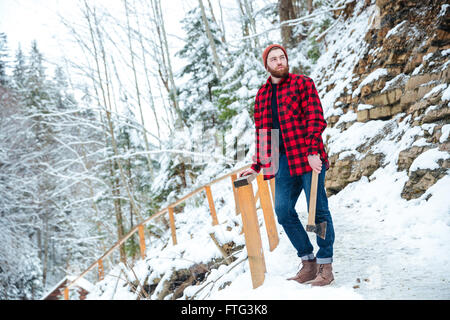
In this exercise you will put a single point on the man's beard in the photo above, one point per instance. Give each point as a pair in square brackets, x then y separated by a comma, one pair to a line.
[281, 73]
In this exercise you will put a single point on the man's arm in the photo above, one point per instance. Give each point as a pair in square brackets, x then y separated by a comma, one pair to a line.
[315, 122]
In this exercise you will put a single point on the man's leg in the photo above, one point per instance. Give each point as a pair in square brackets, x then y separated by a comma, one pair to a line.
[287, 191]
[325, 253]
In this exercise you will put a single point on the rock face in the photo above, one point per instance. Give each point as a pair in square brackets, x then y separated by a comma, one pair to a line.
[403, 73]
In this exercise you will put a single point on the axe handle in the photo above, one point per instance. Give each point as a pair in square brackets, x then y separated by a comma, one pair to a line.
[312, 199]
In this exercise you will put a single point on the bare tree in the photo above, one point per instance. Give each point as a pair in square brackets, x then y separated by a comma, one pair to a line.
[211, 40]
[250, 15]
[136, 83]
[147, 77]
[167, 73]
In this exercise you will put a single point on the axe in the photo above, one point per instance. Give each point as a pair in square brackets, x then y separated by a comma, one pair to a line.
[245, 180]
[321, 228]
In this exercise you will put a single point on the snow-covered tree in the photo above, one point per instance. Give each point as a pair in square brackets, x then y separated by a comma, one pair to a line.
[3, 58]
[199, 74]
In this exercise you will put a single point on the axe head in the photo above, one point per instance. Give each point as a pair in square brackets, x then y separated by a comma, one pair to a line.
[319, 229]
[245, 180]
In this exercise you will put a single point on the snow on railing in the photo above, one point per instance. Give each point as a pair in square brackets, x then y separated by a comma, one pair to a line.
[245, 202]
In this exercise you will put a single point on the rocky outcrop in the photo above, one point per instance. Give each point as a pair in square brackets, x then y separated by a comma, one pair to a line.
[420, 180]
[407, 156]
[404, 72]
[349, 170]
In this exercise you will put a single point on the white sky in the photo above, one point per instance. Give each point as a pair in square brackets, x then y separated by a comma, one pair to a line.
[26, 20]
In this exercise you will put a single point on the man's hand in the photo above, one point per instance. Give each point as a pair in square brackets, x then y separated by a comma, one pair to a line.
[247, 172]
[315, 163]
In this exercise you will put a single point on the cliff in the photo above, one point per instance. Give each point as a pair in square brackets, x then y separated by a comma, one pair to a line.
[397, 74]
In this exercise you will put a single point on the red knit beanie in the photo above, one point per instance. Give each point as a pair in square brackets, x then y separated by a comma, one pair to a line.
[267, 50]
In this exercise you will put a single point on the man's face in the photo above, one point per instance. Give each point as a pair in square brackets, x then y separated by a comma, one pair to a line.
[277, 63]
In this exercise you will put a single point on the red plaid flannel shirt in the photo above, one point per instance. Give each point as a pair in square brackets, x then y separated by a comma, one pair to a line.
[301, 125]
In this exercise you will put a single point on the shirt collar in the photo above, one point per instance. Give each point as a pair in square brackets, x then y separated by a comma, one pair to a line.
[283, 80]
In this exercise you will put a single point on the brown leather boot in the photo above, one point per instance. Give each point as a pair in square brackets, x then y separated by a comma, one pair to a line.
[324, 275]
[307, 272]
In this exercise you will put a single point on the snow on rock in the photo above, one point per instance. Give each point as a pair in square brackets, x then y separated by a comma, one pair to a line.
[435, 90]
[362, 106]
[375, 75]
[428, 160]
[399, 80]
[358, 134]
[396, 29]
[446, 94]
[350, 116]
[445, 133]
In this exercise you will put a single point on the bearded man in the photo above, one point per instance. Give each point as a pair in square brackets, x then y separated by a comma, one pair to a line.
[290, 103]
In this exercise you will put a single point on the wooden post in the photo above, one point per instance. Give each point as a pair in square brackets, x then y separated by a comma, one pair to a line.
[272, 188]
[266, 205]
[142, 240]
[256, 196]
[172, 226]
[252, 234]
[101, 270]
[66, 293]
[236, 200]
[212, 208]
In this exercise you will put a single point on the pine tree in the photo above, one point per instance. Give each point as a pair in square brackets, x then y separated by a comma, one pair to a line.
[3, 58]
[19, 70]
[240, 85]
[37, 95]
[201, 76]
[59, 91]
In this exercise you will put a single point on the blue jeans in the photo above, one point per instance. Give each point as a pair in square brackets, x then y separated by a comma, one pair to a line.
[287, 192]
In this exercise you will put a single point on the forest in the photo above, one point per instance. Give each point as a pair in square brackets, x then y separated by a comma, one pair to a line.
[90, 148]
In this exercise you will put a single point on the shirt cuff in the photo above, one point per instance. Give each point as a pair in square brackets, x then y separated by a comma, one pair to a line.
[256, 167]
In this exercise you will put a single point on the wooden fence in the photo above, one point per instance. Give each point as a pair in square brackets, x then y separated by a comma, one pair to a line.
[245, 202]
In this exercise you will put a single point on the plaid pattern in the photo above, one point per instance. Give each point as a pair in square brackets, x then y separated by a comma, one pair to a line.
[301, 124]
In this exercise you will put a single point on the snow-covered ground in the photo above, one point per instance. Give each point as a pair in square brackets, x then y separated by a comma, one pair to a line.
[385, 248]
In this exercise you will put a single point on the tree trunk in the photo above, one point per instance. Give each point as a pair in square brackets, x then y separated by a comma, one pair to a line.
[244, 20]
[249, 11]
[118, 209]
[211, 40]
[286, 12]
[138, 93]
[45, 257]
[221, 27]
[221, 22]
[104, 87]
[159, 20]
[147, 77]
[309, 6]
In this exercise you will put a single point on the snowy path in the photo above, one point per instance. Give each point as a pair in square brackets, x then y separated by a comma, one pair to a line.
[395, 251]
[390, 251]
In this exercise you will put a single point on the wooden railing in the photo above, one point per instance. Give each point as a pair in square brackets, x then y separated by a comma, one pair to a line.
[245, 202]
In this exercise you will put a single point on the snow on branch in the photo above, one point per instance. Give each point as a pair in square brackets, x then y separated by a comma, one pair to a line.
[291, 23]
